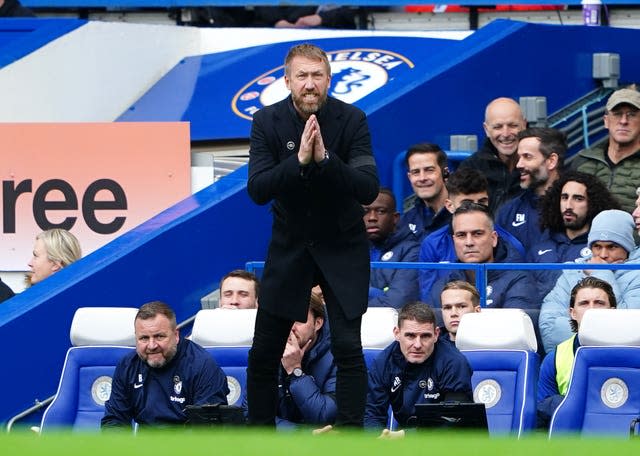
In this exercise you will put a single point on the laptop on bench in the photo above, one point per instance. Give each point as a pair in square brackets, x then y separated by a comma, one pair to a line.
[214, 415]
[454, 415]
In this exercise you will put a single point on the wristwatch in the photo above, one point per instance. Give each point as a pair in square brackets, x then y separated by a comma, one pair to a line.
[325, 159]
[297, 373]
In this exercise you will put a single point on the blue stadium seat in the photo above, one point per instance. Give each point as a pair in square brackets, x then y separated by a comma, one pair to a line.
[227, 335]
[85, 383]
[500, 345]
[603, 396]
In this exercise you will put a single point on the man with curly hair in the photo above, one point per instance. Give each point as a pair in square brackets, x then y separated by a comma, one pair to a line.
[566, 212]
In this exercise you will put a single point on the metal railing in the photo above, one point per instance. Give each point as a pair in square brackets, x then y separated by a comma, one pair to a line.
[481, 269]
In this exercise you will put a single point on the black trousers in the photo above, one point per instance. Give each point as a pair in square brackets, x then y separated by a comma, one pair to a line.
[269, 340]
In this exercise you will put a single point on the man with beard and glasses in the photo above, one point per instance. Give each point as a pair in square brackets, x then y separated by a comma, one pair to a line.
[540, 159]
[566, 212]
[310, 154]
[617, 162]
[165, 374]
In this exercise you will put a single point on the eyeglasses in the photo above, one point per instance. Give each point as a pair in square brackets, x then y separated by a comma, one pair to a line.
[618, 115]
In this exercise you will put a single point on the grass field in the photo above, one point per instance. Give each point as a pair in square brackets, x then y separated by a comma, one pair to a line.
[223, 442]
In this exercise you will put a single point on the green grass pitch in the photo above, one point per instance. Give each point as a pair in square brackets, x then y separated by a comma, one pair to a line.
[225, 442]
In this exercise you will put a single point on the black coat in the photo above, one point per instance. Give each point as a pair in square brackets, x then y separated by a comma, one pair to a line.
[317, 209]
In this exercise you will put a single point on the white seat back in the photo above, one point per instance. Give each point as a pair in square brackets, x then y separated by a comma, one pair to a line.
[377, 327]
[496, 329]
[103, 326]
[603, 327]
[224, 327]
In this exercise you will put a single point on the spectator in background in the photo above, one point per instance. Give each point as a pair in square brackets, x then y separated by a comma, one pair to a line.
[617, 163]
[555, 371]
[54, 249]
[427, 172]
[540, 159]
[611, 242]
[13, 8]
[307, 383]
[417, 368]
[390, 287]
[457, 298]
[464, 185]
[239, 290]
[153, 385]
[325, 16]
[476, 241]
[566, 213]
[497, 158]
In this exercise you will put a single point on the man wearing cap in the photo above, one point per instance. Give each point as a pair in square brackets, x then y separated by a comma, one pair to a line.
[617, 163]
[611, 241]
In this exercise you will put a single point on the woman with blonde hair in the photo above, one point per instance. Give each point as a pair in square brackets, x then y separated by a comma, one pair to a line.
[54, 249]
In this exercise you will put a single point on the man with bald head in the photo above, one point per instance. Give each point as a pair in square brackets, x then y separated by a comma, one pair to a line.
[497, 158]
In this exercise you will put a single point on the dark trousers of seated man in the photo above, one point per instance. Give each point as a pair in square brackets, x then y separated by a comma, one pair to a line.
[270, 338]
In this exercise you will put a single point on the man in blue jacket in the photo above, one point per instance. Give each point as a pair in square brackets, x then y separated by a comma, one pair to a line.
[464, 185]
[476, 241]
[165, 374]
[540, 159]
[427, 172]
[566, 213]
[555, 372]
[390, 287]
[307, 383]
[415, 369]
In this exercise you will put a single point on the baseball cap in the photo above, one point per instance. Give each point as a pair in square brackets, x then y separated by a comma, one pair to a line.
[629, 96]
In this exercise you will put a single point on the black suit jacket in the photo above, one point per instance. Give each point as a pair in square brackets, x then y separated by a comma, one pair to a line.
[317, 209]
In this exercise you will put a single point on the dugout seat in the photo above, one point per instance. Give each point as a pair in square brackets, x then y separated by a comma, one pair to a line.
[377, 330]
[500, 345]
[227, 335]
[100, 336]
[603, 396]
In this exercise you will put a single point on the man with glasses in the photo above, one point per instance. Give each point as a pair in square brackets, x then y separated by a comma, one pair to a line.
[389, 241]
[617, 163]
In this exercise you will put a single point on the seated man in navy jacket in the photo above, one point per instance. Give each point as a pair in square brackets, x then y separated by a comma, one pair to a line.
[390, 241]
[307, 383]
[165, 374]
[476, 241]
[416, 368]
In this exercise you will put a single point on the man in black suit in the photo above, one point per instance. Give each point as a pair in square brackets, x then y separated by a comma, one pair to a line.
[311, 155]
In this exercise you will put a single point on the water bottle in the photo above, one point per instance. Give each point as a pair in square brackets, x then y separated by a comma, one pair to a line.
[591, 12]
